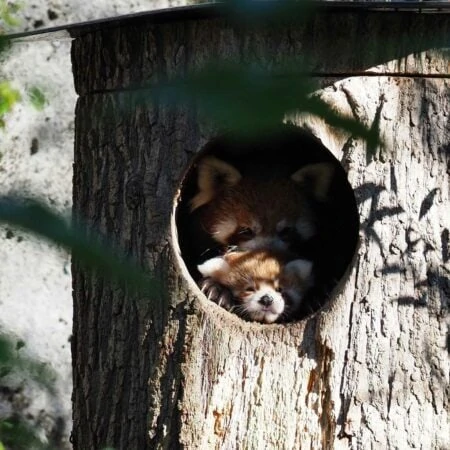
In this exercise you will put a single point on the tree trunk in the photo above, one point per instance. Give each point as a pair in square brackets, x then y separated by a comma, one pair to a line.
[370, 370]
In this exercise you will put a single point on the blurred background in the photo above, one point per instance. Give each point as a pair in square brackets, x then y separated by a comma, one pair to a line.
[36, 155]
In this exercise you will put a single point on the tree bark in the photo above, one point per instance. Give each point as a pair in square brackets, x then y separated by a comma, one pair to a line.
[370, 370]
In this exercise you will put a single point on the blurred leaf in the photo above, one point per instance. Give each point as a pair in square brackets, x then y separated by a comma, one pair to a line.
[6, 353]
[11, 362]
[251, 12]
[7, 13]
[5, 43]
[242, 100]
[6, 356]
[4, 371]
[247, 100]
[37, 98]
[17, 434]
[10, 20]
[321, 109]
[38, 219]
[8, 97]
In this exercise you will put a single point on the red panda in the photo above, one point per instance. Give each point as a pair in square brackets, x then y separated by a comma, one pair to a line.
[263, 286]
[251, 212]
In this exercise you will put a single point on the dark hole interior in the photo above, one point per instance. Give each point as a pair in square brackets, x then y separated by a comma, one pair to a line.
[278, 156]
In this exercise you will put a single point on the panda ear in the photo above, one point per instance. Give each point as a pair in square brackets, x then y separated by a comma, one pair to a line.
[214, 267]
[316, 178]
[299, 268]
[213, 176]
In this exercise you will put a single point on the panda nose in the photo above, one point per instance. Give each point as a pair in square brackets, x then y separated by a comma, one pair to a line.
[266, 300]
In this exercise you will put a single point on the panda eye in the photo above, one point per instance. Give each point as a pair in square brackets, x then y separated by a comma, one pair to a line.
[246, 233]
[249, 290]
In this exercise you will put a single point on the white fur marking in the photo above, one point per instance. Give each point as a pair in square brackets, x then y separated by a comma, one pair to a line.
[212, 266]
[260, 313]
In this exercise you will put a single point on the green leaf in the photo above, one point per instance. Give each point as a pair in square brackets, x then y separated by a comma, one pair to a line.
[246, 100]
[19, 435]
[11, 362]
[243, 100]
[316, 106]
[4, 371]
[8, 11]
[89, 250]
[15, 432]
[249, 12]
[5, 44]
[8, 97]
[37, 98]
[6, 353]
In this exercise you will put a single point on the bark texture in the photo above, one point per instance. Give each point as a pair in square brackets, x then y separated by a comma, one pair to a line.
[176, 371]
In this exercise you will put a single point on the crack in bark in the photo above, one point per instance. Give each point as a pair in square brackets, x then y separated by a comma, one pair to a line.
[390, 390]
[345, 402]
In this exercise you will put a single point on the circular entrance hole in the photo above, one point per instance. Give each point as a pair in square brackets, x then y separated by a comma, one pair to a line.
[285, 196]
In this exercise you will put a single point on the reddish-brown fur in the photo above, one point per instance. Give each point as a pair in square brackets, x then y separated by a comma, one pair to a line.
[253, 203]
[257, 213]
[254, 267]
[264, 287]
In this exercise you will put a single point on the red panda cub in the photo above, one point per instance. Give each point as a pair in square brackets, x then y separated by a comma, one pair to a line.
[260, 214]
[256, 212]
[263, 287]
